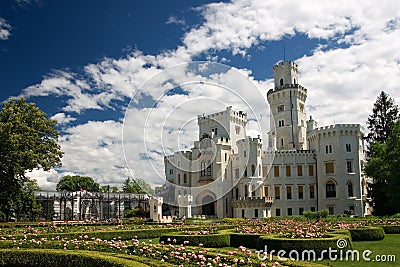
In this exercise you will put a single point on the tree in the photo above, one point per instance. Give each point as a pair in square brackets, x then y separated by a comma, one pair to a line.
[384, 168]
[76, 183]
[380, 126]
[136, 186]
[28, 141]
[384, 115]
[26, 207]
[105, 188]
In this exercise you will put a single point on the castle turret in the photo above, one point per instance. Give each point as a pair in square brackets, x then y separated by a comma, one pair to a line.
[287, 104]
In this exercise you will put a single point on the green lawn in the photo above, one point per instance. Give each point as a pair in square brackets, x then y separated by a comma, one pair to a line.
[390, 245]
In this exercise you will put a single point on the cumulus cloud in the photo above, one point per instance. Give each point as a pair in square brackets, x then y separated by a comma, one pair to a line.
[5, 29]
[62, 118]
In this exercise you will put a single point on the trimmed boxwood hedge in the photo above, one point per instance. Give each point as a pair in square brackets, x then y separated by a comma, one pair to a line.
[55, 258]
[211, 240]
[371, 233]
[391, 229]
[275, 242]
[247, 240]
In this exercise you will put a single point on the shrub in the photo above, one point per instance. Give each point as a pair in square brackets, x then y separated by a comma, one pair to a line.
[246, 240]
[371, 233]
[300, 245]
[37, 257]
[212, 240]
[391, 229]
[313, 215]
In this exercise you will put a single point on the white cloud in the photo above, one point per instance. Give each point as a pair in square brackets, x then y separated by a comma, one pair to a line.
[175, 20]
[5, 29]
[62, 118]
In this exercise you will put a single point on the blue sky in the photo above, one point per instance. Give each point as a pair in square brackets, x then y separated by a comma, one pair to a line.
[83, 61]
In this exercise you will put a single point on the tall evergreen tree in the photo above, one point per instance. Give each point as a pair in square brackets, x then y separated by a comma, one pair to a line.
[384, 114]
[380, 125]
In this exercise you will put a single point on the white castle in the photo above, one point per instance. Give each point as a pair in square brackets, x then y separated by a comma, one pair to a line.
[302, 167]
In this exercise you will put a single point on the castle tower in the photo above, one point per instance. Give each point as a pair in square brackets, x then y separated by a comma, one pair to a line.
[287, 104]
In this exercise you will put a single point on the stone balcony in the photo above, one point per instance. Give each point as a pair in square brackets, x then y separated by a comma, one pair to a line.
[252, 202]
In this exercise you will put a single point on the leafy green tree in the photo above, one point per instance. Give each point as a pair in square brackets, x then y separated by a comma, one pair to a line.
[105, 188]
[28, 141]
[384, 115]
[26, 207]
[136, 186]
[384, 168]
[76, 183]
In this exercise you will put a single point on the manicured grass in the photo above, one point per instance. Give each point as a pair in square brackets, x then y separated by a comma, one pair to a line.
[390, 245]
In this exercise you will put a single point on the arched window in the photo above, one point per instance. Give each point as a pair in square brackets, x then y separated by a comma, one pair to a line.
[281, 82]
[244, 153]
[281, 142]
[350, 191]
[245, 171]
[330, 189]
[185, 179]
[253, 170]
[208, 168]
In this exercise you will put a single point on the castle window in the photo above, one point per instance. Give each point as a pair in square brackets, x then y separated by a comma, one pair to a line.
[208, 168]
[281, 123]
[288, 171]
[179, 178]
[299, 170]
[294, 80]
[226, 156]
[237, 130]
[289, 211]
[310, 170]
[245, 171]
[203, 169]
[276, 171]
[281, 82]
[312, 209]
[246, 190]
[256, 213]
[253, 190]
[281, 108]
[253, 170]
[277, 212]
[349, 165]
[244, 153]
[328, 149]
[330, 189]
[237, 173]
[277, 192]
[185, 178]
[282, 142]
[266, 191]
[216, 131]
[348, 147]
[171, 171]
[300, 191]
[288, 192]
[301, 211]
[331, 210]
[329, 168]
[350, 191]
[312, 192]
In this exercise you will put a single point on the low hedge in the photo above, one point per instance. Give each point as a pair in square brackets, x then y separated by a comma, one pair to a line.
[246, 240]
[391, 229]
[371, 233]
[300, 245]
[51, 257]
[211, 240]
